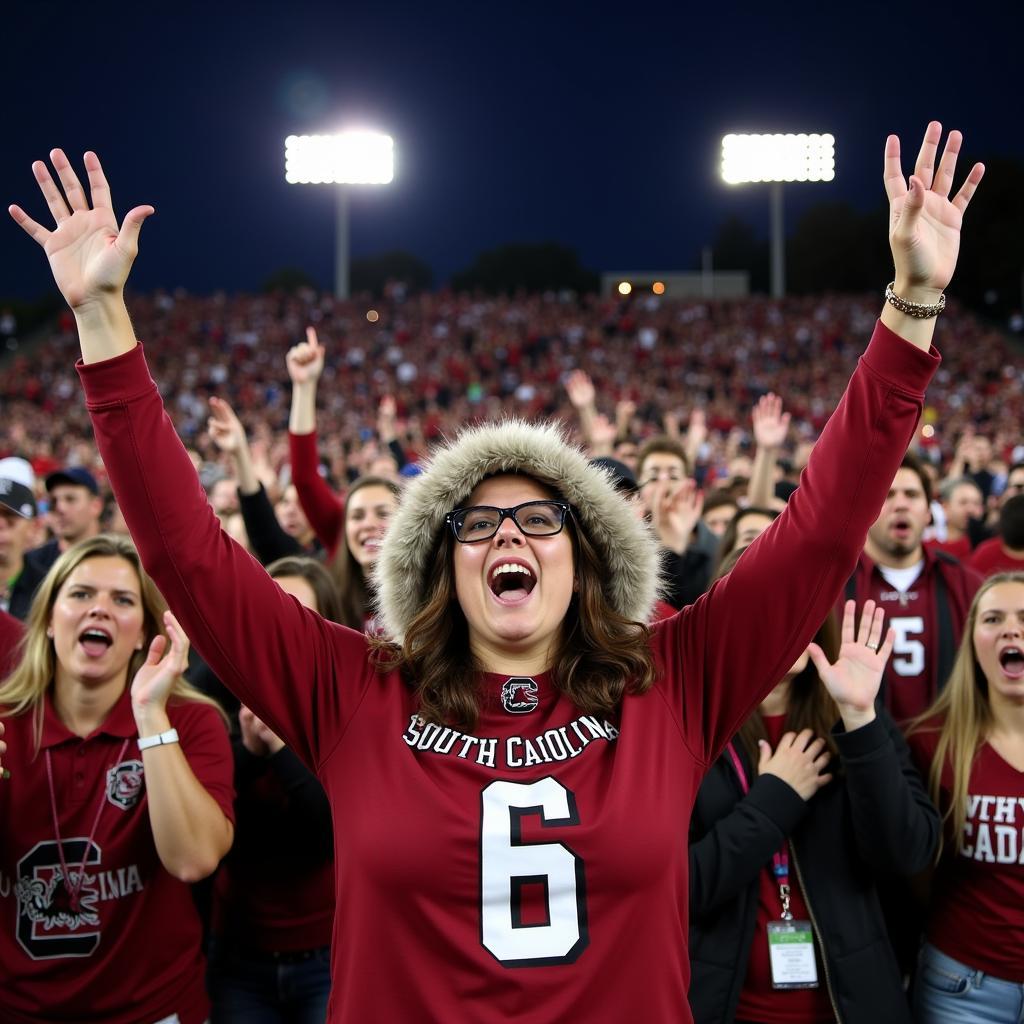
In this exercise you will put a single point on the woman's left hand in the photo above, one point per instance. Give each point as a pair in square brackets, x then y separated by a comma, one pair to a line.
[152, 683]
[854, 680]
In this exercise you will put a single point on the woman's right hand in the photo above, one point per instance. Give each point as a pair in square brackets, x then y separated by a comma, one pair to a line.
[798, 760]
[305, 361]
[89, 256]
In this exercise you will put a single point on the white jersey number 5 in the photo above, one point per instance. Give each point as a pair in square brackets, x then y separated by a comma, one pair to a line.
[908, 652]
[508, 866]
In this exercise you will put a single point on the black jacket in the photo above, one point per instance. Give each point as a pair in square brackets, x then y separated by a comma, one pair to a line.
[874, 819]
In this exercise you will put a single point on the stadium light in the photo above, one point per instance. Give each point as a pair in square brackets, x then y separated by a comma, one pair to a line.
[777, 159]
[348, 158]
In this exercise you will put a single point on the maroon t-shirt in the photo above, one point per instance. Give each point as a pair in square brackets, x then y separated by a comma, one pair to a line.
[758, 1000]
[977, 902]
[131, 952]
[991, 557]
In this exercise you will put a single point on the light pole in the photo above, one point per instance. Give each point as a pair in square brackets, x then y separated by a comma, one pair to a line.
[777, 159]
[348, 158]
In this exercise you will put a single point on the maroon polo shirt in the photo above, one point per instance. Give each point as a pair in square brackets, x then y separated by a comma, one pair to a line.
[130, 953]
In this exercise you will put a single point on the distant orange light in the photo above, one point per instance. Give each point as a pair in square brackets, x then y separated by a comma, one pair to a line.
[372, 315]
[658, 287]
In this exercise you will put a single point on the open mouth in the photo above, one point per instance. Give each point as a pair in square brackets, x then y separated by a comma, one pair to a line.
[512, 582]
[1011, 659]
[95, 642]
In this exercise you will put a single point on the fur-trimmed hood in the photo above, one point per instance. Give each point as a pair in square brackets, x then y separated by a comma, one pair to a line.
[627, 548]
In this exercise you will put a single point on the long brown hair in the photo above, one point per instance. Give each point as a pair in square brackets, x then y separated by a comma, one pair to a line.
[810, 705]
[962, 717]
[353, 586]
[321, 582]
[25, 688]
[601, 655]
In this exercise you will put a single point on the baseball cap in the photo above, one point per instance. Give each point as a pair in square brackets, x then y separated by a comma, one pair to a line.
[19, 470]
[77, 476]
[18, 498]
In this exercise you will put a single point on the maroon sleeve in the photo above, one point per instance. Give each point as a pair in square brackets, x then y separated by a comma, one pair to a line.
[722, 655]
[280, 659]
[207, 748]
[324, 509]
[11, 631]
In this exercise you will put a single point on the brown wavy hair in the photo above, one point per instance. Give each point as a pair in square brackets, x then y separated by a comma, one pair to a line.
[601, 655]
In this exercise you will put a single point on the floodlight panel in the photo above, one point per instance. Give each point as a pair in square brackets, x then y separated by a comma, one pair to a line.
[348, 158]
[747, 158]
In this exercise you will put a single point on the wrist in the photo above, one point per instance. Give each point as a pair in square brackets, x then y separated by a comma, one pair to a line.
[916, 292]
[856, 718]
[151, 721]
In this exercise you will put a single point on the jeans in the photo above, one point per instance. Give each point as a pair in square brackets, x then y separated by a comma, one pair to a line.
[949, 992]
[259, 991]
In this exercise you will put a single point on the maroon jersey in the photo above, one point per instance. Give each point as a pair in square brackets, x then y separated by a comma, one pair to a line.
[535, 869]
[991, 557]
[130, 950]
[915, 671]
[977, 905]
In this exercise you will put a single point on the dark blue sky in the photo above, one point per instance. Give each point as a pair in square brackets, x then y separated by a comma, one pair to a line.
[592, 124]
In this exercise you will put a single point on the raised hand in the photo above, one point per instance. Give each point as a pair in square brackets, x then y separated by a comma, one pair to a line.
[224, 427]
[798, 760]
[676, 506]
[257, 737]
[90, 257]
[924, 223]
[580, 389]
[854, 679]
[164, 664]
[771, 424]
[386, 411]
[305, 361]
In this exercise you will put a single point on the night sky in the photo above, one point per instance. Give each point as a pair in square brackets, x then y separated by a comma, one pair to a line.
[593, 125]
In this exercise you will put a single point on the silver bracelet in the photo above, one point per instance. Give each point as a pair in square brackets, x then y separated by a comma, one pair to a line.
[170, 736]
[915, 309]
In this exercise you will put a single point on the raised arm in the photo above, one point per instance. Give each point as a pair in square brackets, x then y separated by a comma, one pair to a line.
[247, 629]
[326, 514]
[736, 642]
[771, 425]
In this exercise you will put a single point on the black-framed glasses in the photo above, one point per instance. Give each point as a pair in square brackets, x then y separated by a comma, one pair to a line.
[481, 522]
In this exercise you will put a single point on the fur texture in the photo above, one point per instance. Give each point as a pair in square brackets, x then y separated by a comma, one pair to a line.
[627, 547]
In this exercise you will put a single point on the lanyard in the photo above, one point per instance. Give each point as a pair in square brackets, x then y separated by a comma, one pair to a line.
[780, 859]
[73, 883]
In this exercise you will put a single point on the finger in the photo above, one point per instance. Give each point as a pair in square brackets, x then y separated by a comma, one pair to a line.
[886, 649]
[311, 337]
[99, 190]
[822, 758]
[764, 753]
[967, 189]
[53, 196]
[874, 640]
[788, 739]
[28, 225]
[817, 655]
[804, 739]
[865, 622]
[128, 236]
[947, 165]
[846, 633]
[156, 649]
[824, 780]
[925, 166]
[913, 204]
[69, 180]
[892, 171]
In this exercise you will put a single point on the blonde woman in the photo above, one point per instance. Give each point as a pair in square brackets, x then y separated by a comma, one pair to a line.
[116, 797]
[970, 743]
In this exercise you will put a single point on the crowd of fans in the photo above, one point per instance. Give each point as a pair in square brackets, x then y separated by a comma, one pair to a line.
[702, 413]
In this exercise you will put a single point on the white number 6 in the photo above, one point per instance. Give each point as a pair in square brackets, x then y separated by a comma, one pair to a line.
[507, 864]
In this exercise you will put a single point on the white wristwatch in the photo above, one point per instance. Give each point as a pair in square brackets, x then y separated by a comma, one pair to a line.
[171, 736]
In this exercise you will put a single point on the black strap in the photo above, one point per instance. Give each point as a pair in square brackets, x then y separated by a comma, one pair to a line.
[946, 649]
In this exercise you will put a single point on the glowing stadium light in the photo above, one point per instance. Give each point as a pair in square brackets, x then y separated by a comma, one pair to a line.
[658, 287]
[625, 287]
[747, 158]
[777, 159]
[348, 158]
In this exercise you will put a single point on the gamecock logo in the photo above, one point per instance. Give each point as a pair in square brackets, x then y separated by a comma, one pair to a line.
[124, 784]
[519, 696]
